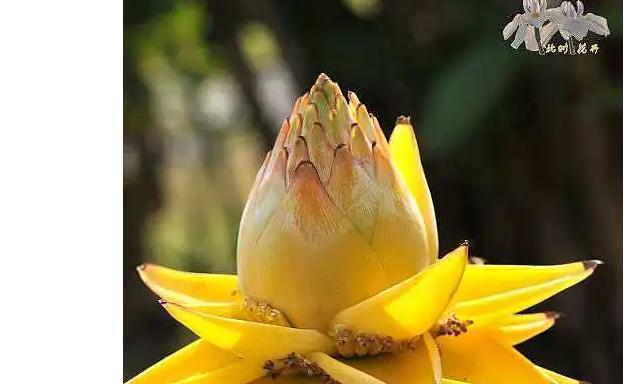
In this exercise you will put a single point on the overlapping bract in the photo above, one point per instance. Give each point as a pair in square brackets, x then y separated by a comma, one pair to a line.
[486, 299]
[330, 214]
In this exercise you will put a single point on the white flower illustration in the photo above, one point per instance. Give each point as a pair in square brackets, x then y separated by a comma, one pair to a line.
[537, 25]
[572, 23]
[524, 24]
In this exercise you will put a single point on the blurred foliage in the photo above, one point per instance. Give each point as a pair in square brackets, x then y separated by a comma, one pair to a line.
[258, 45]
[522, 152]
[452, 115]
[363, 8]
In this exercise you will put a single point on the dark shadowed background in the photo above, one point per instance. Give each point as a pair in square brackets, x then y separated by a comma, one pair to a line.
[523, 153]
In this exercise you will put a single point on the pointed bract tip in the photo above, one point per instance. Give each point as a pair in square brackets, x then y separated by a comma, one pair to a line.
[142, 267]
[554, 315]
[305, 163]
[340, 146]
[353, 99]
[322, 78]
[302, 139]
[403, 120]
[591, 264]
[166, 303]
[465, 243]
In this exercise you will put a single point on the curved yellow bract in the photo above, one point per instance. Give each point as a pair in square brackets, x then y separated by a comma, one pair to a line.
[196, 358]
[405, 155]
[250, 339]
[409, 308]
[487, 280]
[189, 287]
[476, 357]
[489, 307]
[342, 372]
[241, 372]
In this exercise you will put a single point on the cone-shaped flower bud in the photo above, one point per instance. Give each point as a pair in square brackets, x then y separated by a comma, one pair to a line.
[330, 220]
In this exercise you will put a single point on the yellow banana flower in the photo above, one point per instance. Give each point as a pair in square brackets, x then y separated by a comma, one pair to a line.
[339, 279]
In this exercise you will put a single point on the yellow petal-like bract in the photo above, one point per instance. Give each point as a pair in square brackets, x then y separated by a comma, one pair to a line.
[241, 372]
[504, 303]
[234, 310]
[476, 357]
[406, 367]
[342, 372]
[188, 287]
[250, 339]
[516, 329]
[487, 280]
[406, 157]
[194, 359]
[411, 307]
[434, 357]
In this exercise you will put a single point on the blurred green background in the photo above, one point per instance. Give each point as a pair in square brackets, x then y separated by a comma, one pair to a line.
[523, 153]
